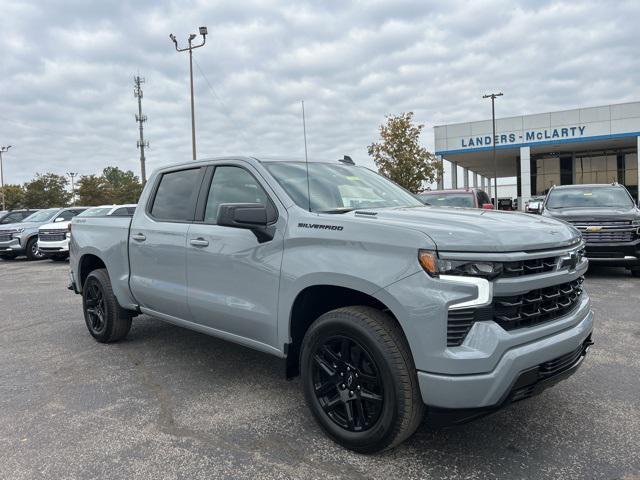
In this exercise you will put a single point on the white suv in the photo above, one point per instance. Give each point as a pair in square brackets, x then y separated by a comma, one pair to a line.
[53, 238]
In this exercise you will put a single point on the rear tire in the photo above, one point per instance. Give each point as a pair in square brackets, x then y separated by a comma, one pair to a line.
[359, 379]
[106, 320]
[32, 251]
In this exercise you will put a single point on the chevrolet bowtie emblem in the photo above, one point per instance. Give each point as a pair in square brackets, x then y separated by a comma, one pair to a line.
[593, 229]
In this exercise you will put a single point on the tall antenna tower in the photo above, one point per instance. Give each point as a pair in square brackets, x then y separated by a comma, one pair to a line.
[140, 118]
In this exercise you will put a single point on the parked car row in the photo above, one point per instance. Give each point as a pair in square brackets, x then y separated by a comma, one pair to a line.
[605, 214]
[39, 234]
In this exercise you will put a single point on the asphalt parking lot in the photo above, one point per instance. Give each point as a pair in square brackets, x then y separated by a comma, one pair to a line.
[168, 403]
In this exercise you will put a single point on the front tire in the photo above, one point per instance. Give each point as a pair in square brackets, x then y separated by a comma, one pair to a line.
[359, 379]
[106, 320]
[32, 251]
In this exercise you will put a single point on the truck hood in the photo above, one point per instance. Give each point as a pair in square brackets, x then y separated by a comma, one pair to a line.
[593, 214]
[16, 226]
[476, 230]
[55, 226]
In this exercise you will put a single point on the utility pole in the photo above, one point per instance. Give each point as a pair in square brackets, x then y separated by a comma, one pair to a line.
[190, 48]
[73, 189]
[493, 96]
[140, 118]
[3, 150]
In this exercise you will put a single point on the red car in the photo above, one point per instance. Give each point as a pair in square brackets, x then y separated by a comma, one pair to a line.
[459, 197]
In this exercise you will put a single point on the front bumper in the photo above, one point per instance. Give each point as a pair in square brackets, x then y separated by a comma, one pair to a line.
[614, 254]
[529, 383]
[54, 248]
[492, 389]
[11, 246]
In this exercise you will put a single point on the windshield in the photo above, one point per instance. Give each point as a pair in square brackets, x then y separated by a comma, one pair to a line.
[585, 197]
[448, 199]
[338, 188]
[95, 212]
[42, 215]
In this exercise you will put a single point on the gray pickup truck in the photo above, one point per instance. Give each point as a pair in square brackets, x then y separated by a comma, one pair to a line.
[388, 309]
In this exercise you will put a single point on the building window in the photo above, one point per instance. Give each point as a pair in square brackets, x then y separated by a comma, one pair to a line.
[545, 174]
[597, 169]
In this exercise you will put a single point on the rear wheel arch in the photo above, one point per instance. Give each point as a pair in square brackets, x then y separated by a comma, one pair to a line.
[87, 264]
[314, 301]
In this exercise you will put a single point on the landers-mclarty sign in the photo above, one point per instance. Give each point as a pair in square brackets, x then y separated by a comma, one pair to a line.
[528, 136]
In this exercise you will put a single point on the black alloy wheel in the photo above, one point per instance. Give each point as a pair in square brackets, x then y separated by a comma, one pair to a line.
[347, 383]
[359, 379]
[95, 308]
[106, 320]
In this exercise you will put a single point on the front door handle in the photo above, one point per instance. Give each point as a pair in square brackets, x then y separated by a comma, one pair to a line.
[199, 242]
[139, 237]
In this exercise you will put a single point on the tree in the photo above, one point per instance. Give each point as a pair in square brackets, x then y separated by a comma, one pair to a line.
[123, 186]
[399, 155]
[13, 196]
[92, 190]
[46, 191]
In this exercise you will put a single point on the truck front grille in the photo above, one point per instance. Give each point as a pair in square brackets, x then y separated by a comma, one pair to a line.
[5, 237]
[517, 311]
[609, 236]
[52, 235]
[529, 267]
[536, 306]
[607, 232]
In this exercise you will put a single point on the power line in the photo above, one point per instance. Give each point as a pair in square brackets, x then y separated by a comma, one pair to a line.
[140, 118]
[226, 110]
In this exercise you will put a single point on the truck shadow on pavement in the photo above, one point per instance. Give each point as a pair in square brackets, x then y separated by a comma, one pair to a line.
[224, 395]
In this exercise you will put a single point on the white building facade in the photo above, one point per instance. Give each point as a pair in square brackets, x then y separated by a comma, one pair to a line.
[585, 145]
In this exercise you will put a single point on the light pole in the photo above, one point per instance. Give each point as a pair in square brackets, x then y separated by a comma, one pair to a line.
[3, 150]
[203, 32]
[493, 96]
[73, 190]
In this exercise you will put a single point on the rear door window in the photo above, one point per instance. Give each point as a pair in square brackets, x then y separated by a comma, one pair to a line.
[176, 195]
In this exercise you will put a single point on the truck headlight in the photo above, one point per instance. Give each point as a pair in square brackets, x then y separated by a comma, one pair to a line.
[435, 266]
[17, 232]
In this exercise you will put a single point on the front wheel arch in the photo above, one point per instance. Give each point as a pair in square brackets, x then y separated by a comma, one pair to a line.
[314, 301]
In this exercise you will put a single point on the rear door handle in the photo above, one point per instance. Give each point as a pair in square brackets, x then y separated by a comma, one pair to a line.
[199, 242]
[139, 237]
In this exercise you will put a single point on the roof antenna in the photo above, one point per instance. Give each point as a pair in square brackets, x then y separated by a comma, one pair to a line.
[306, 157]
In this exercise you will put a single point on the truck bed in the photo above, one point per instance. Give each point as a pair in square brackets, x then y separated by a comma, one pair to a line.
[107, 238]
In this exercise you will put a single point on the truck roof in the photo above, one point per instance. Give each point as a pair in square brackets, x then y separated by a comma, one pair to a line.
[262, 159]
[587, 185]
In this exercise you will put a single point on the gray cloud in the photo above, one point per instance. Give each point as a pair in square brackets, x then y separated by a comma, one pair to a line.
[66, 89]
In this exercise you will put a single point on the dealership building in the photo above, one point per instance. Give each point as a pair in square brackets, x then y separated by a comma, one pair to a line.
[585, 145]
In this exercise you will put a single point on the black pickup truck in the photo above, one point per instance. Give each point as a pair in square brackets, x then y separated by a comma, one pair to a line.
[608, 218]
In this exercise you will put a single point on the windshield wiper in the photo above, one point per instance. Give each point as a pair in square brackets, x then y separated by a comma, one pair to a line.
[337, 210]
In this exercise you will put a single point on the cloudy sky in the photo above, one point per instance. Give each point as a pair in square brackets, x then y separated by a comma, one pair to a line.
[67, 67]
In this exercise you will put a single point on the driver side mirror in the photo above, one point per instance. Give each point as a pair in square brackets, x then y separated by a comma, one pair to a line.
[250, 216]
[487, 206]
